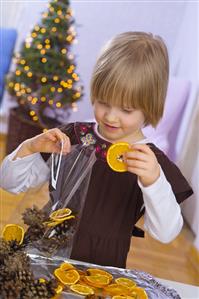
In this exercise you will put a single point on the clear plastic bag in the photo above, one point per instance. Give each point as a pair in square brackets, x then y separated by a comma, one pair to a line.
[67, 192]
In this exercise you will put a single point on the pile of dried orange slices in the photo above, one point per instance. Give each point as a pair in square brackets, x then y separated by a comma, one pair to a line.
[97, 282]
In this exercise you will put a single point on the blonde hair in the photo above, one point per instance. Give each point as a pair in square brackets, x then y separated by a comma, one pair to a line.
[132, 72]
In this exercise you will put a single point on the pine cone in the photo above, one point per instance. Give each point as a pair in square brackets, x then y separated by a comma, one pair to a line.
[10, 286]
[15, 246]
[10, 290]
[16, 277]
[34, 216]
[34, 233]
[51, 285]
[4, 250]
[39, 290]
[62, 228]
[5, 275]
[48, 245]
[25, 276]
[17, 262]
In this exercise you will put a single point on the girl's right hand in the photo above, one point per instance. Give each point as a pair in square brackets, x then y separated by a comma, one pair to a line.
[48, 142]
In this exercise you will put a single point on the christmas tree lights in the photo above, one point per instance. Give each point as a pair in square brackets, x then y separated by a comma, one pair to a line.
[45, 78]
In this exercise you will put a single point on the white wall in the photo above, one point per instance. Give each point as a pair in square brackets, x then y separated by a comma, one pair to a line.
[185, 61]
[185, 64]
[189, 164]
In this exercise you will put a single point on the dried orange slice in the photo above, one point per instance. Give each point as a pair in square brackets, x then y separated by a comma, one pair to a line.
[125, 282]
[60, 214]
[66, 218]
[59, 289]
[57, 221]
[96, 290]
[67, 277]
[139, 292]
[66, 266]
[93, 271]
[115, 156]
[82, 289]
[51, 223]
[13, 232]
[81, 272]
[98, 281]
[116, 289]
[82, 281]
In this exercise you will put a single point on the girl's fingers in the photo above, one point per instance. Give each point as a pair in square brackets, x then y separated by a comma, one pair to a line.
[57, 136]
[136, 164]
[138, 171]
[136, 155]
[144, 148]
[66, 145]
[50, 136]
[56, 148]
[143, 163]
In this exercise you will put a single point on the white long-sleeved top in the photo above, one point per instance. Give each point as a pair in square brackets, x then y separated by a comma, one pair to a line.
[162, 219]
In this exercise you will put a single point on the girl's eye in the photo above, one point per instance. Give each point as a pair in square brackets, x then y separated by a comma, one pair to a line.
[127, 110]
[102, 103]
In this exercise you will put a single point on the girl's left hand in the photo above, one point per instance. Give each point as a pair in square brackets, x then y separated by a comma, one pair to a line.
[143, 162]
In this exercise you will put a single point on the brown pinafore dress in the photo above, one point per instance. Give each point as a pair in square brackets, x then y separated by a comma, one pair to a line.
[114, 202]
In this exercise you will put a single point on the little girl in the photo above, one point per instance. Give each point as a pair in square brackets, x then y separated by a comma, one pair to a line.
[128, 90]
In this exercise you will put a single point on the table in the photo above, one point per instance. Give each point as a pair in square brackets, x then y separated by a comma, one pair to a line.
[186, 291]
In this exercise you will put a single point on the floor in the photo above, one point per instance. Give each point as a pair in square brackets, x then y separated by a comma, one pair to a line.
[168, 261]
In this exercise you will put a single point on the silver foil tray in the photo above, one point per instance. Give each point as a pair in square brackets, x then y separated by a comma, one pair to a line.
[44, 267]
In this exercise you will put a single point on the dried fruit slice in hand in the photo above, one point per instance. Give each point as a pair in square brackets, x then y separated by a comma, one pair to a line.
[93, 271]
[115, 156]
[126, 282]
[13, 232]
[82, 289]
[60, 214]
[98, 281]
[67, 277]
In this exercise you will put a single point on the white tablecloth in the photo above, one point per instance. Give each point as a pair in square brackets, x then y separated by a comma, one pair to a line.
[186, 291]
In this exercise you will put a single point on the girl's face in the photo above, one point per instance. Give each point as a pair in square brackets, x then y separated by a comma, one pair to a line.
[119, 123]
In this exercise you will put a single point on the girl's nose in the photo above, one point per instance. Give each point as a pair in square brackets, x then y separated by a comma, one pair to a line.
[111, 115]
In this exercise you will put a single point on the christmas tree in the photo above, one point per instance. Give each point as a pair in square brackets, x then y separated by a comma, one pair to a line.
[45, 83]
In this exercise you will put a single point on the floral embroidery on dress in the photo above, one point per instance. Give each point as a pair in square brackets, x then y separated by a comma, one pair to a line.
[87, 136]
[88, 139]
